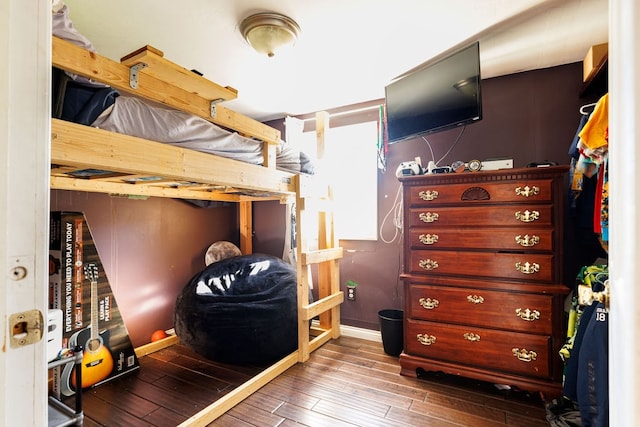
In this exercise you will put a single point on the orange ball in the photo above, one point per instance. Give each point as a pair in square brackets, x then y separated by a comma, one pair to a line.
[158, 335]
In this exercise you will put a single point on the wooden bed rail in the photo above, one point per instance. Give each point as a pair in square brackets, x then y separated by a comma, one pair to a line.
[146, 168]
[181, 90]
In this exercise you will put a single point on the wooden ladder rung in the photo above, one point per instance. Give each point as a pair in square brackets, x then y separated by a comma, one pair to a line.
[321, 255]
[323, 305]
[319, 340]
[317, 205]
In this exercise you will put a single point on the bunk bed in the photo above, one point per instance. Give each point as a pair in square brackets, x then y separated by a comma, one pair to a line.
[126, 165]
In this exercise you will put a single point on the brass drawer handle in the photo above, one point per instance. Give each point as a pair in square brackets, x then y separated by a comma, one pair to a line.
[470, 336]
[527, 216]
[428, 217]
[528, 315]
[527, 268]
[527, 191]
[428, 264]
[428, 303]
[428, 239]
[426, 339]
[475, 299]
[527, 241]
[428, 195]
[524, 355]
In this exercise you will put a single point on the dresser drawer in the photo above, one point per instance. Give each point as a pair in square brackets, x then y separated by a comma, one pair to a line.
[506, 215]
[485, 348]
[531, 191]
[530, 313]
[530, 267]
[513, 238]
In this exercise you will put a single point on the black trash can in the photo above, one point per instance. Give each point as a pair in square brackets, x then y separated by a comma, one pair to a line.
[391, 329]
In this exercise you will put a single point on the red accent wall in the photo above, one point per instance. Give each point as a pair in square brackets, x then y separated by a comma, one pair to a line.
[149, 249]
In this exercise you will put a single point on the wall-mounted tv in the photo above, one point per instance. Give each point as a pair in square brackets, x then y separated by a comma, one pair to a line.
[439, 96]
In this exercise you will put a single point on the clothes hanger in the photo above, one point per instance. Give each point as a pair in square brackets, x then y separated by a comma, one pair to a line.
[583, 109]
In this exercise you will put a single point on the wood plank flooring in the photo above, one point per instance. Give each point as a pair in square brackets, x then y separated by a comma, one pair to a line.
[347, 382]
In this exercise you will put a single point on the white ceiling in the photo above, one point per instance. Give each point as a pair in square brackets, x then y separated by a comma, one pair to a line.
[348, 50]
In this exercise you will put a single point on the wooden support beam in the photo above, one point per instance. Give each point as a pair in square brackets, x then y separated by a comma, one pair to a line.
[124, 189]
[319, 340]
[75, 59]
[158, 66]
[238, 394]
[152, 347]
[86, 147]
[245, 214]
[321, 255]
[323, 305]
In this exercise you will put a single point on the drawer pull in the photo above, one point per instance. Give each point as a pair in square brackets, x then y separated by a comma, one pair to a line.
[527, 216]
[428, 195]
[428, 239]
[428, 217]
[524, 355]
[428, 264]
[426, 339]
[528, 315]
[470, 336]
[475, 299]
[527, 191]
[527, 241]
[527, 268]
[428, 303]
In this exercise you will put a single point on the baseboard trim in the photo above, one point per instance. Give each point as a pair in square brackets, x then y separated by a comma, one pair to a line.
[355, 332]
[365, 334]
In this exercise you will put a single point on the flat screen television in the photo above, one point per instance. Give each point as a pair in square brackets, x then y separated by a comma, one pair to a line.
[439, 96]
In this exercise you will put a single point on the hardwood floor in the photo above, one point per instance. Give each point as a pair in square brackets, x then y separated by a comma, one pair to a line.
[347, 382]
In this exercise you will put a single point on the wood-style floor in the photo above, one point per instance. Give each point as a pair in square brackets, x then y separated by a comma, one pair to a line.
[347, 382]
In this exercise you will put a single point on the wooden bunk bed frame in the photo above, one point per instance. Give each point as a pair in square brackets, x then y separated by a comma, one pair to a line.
[145, 168]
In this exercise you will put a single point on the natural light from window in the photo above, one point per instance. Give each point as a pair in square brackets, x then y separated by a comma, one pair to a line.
[350, 163]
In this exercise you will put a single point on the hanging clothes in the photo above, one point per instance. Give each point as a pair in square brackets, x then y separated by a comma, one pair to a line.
[576, 175]
[585, 353]
[595, 277]
[573, 149]
[594, 148]
[595, 133]
[583, 179]
[593, 377]
[604, 206]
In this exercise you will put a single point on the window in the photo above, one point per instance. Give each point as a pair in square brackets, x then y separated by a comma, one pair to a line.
[350, 165]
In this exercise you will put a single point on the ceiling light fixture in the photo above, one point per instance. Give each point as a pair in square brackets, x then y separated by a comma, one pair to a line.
[268, 32]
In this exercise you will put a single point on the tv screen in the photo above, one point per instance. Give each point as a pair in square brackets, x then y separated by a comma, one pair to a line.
[440, 96]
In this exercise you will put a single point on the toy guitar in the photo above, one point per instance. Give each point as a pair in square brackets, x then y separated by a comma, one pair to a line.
[97, 361]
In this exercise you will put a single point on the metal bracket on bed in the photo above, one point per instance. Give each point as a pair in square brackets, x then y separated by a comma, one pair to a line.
[133, 74]
[213, 106]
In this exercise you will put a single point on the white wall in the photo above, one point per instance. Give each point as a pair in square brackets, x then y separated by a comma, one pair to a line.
[624, 197]
[25, 67]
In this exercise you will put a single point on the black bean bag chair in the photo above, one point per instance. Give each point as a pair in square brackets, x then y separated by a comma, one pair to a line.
[240, 310]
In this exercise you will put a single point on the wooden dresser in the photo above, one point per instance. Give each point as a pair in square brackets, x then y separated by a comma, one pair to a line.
[483, 292]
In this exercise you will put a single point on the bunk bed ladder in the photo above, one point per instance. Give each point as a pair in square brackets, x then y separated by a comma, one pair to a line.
[315, 199]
